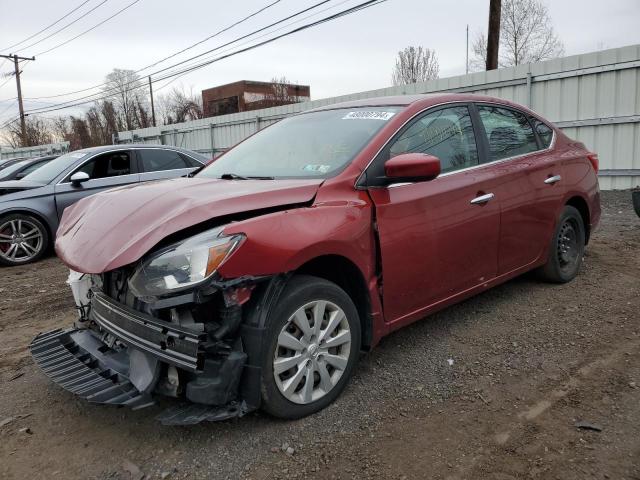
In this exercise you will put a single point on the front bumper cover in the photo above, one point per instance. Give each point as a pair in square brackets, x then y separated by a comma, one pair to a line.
[78, 362]
[85, 363]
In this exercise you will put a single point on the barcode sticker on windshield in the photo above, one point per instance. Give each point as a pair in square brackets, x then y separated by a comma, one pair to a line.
[362, 115]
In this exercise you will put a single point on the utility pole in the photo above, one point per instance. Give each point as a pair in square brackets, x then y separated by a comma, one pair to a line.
[23, 125]
[493, 37]
[467, 61]
[153, 110]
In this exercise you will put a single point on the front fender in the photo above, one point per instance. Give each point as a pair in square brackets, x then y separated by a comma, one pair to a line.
[283, 241]
[38, 207]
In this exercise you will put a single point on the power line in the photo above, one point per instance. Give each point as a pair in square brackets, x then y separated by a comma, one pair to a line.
[92, 28]
[199, 55]
[267, 34]
[12, 104]
[166, 58]
[10, 75]
[66, 26]
[211, 36]
[142, 83]
[47, 27]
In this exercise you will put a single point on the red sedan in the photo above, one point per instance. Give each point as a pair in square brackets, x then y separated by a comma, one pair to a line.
[256, 282]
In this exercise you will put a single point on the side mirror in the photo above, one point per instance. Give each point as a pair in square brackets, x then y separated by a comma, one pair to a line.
[412, 167]
[20, 176]
[79, 178]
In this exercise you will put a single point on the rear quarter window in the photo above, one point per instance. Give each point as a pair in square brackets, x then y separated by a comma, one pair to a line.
[544, 131]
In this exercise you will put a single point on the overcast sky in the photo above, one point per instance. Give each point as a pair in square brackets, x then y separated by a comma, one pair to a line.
[348, 55]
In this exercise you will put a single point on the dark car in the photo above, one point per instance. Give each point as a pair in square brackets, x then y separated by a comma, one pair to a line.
[5, 162]
[20, 169]
[257, 282]
[31, 208]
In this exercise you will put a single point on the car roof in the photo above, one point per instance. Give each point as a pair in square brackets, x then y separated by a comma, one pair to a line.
[123, 146]
[126, 146]
[424, 100]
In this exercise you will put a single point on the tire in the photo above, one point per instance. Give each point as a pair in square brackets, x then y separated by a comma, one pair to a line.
[567, 248]
[23, 239]
[286, 394]
[635, 199]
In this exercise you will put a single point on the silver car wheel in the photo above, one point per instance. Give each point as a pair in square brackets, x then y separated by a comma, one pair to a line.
[312, 352]
[20, 240]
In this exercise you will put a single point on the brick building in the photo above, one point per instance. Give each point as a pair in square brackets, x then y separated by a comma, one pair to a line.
[249, 95]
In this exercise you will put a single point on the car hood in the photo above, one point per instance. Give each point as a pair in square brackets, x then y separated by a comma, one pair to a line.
[14, 186]
[117, 227]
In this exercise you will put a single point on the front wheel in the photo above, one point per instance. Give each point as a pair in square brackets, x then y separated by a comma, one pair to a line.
[566, 249]
[23, 239]
[313, 342]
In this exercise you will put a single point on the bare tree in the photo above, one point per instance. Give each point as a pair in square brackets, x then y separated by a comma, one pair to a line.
[415, 64]
[179, 106]
[39, 132]
[125, 90]
[526, 35]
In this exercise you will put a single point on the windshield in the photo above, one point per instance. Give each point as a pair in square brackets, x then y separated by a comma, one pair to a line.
[316, 144]
[48, 172]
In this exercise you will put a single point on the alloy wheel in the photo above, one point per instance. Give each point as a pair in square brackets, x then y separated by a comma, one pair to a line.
[312, 352]
[20, 240]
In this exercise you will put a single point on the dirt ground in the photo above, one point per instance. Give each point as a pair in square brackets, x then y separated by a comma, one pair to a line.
[493, 388]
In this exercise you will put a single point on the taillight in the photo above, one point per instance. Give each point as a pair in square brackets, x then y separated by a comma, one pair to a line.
[595, 163]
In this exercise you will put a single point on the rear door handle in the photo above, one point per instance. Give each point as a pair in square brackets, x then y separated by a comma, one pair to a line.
[482, 199]
[552, 180]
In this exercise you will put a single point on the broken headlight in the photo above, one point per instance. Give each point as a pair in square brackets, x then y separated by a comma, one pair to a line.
[183, 264]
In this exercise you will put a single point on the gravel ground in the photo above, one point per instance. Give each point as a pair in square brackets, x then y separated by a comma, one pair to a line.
[492, 388]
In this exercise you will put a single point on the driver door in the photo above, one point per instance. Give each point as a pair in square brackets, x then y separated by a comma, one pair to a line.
[108, 170]
[439, 238]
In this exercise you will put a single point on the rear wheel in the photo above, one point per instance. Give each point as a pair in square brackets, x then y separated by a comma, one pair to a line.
[567, 248]
[23, 239]
[313, 339]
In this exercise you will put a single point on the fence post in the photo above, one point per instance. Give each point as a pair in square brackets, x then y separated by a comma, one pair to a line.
[212, 139]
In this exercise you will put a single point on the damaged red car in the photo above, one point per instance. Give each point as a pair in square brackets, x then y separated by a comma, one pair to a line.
[256, 282]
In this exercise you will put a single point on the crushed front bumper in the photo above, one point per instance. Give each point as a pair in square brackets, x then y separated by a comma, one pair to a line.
[77, 361]
[102, 364]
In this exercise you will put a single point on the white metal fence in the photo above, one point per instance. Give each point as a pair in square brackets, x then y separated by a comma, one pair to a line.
[40, 150]
[594, 98]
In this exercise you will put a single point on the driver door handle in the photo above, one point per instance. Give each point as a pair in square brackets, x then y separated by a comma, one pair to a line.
[482, 199]
[552, 180]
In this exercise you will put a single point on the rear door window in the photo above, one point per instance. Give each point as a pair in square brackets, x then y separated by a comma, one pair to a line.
[509, 132]
[155, 160]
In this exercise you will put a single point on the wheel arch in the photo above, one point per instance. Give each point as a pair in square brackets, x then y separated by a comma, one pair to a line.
[346, 274]
[580, 204]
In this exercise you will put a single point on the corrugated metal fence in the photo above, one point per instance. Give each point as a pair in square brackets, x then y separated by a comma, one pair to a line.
[38, 151]
[594, 97]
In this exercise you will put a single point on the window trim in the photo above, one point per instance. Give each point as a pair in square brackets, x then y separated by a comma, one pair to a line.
[485, 137]
[361, 184]
[407, 124]
[75, 168]
[125, 149]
